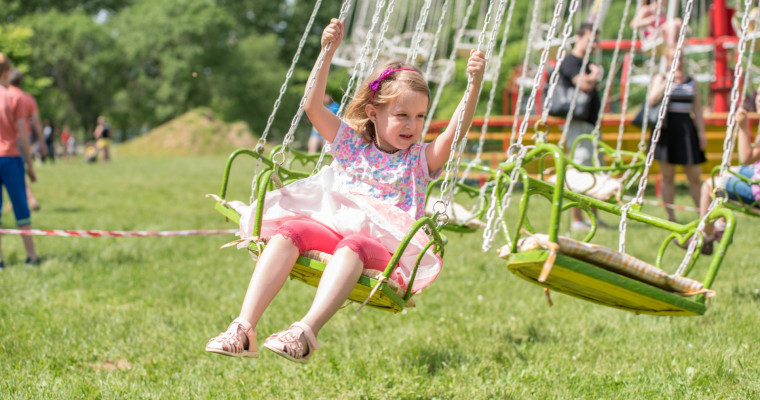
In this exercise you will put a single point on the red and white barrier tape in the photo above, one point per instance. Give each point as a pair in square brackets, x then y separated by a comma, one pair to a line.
[94, 233]
[659, 203]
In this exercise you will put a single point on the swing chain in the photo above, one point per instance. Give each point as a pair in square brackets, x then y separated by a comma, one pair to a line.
[567, 30]
[518, 146]
[411, 58]
[436, 41]
[584, 65]
[638, 199]
[359, 68]
[312, 81]
[263, 139]
[380, 41]
[492, 94]
[613, 65]
[624, 103]
[449, 66]
[524, 71]
[448, 184]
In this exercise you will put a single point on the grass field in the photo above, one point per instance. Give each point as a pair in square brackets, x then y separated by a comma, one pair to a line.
[117, 318]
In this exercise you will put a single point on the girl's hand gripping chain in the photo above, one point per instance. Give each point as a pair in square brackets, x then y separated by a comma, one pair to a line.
[476, 66]
[333, 34]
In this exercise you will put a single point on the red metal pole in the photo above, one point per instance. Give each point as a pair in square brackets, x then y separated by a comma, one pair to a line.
[721, 87]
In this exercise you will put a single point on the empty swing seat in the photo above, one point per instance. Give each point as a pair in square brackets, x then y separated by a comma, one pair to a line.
[602, 275]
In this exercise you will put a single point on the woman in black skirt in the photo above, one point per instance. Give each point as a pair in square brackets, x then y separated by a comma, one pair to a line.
[682, 139]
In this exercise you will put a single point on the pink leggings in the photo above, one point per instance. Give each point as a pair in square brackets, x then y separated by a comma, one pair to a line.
[309, 235]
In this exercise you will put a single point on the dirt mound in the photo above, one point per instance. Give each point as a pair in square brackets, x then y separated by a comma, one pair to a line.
[197, 132]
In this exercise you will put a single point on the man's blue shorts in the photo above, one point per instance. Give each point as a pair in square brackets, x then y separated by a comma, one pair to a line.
[12, 177]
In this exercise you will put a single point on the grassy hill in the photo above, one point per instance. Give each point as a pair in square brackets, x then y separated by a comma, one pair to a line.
[197, 132]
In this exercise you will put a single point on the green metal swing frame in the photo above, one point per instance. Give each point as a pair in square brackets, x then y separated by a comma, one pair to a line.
[309, 270]
[587, 281]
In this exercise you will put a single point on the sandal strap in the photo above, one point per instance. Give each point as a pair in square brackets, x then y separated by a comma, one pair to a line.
[248, 330]
[311, 339]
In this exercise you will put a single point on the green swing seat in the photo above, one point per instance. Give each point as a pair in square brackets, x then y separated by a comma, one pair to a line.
[597, 274]
[388, 296]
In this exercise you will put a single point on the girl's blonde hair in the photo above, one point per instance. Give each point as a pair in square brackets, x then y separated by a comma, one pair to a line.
[389, 89]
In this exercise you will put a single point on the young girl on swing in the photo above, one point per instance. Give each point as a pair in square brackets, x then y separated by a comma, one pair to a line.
[358, 208]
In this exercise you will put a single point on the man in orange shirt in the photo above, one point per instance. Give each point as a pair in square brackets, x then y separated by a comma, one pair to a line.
[32, 118]
[14, 131]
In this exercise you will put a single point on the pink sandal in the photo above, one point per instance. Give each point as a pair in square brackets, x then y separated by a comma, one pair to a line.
[289, 343]
[229, 344]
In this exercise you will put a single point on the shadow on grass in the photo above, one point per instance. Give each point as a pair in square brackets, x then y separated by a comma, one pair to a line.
[436, 359]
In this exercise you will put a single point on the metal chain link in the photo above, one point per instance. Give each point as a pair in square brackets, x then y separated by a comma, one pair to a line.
[624, 103]
[297, 118]
[561, 53]
[584, 65]
[448, 183]
[612, 68]
[658, 127]
[411, 58]
[492, 94]
[447, 72]
[380, 41]
[728, 143]
[524, 71]
[436, 41]
[263, 139]
[517, 151]
[352, 81]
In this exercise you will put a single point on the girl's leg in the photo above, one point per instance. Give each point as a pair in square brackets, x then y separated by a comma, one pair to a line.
[667, 187]
[694, 175]
[341, 274]
[278, 259]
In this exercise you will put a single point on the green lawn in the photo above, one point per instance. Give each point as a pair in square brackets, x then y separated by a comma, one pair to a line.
[129, 317]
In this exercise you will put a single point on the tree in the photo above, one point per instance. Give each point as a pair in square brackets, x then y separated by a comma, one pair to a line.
[249, 83]
[171, 50]
[81, 58]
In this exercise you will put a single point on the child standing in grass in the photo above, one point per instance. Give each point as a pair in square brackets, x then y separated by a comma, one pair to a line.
[13, 131]
[358, 208]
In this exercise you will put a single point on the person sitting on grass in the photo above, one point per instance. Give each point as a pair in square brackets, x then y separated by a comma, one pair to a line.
[736, 189]
[357, 208]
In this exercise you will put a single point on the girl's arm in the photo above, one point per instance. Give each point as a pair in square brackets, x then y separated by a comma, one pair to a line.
[657, 91]
[321, 117]
[699, 121]
[748, 153]
[437, 153]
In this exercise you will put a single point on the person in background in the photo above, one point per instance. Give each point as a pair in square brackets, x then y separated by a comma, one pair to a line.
[90, 152]
[102, 136]
[14, 131]
[64, 138]
[683, 141]
[71, 145]
[48, 133]
[33, 124]
[315, 139]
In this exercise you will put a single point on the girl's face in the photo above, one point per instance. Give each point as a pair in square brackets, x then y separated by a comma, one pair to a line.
[399, 122]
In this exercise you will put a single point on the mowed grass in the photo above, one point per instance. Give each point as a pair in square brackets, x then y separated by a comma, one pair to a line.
[129, 317]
